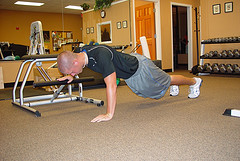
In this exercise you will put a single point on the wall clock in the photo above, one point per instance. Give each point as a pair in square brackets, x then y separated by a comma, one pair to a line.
[103, 13]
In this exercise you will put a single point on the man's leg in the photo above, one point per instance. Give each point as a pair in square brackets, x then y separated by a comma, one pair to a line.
[194, 85]
[182, 80]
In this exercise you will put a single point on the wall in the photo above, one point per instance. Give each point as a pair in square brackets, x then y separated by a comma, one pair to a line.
[50, 22]
[220, 25]
[116, 13]
[165, 9]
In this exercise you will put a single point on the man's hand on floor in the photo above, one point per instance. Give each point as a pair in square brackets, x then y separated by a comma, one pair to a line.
[104, 117]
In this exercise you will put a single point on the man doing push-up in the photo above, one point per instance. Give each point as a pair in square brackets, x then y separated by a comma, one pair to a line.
[142, 76]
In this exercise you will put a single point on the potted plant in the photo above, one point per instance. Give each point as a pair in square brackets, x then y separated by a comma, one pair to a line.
[100, 4]
[85, 6]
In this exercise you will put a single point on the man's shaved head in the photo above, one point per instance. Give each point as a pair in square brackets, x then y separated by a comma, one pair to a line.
[65, 61]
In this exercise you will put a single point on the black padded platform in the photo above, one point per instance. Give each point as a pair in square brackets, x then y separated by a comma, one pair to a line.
[51, 83]
[26, 57]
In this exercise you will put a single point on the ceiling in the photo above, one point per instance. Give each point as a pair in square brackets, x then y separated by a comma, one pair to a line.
[52, 6]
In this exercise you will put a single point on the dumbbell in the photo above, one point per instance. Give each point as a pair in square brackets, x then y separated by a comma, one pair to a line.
[212, 54]
[222, 68]
[215, 68]
[235, 39]
[230, 54]
[236, 68]
[206, 55]
[208, 68]
[202, 68]
[224, 54]
[229, 68]
[236, 53]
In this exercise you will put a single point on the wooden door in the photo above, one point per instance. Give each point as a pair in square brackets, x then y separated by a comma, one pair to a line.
[145, 26]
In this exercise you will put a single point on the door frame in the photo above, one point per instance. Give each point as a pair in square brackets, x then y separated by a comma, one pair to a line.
[157, 27]
[189, 28]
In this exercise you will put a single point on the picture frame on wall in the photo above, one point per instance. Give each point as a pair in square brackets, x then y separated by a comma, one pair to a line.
[124, 24]
[92, 30]
[88, 31]
[228, 7]
[119, 25]
[216, 8]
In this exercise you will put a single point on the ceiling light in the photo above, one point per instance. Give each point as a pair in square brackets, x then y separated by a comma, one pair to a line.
[74, 7]
[29, 3]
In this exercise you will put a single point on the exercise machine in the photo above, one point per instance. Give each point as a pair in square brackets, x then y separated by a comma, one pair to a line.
[57, 97]
[37, 56]
[36, 39]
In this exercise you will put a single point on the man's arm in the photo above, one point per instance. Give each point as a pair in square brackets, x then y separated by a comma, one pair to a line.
[111, 90]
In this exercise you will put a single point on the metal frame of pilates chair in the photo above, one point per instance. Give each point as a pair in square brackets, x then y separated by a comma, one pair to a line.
[58, 96]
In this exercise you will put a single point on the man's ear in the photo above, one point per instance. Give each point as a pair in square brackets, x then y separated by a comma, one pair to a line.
[75, 62]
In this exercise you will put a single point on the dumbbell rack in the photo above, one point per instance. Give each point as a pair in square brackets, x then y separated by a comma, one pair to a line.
[205, 42]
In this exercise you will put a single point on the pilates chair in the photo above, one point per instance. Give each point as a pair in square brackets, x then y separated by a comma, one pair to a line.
[37, 47]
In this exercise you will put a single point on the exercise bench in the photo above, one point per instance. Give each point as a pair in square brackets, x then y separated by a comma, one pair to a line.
[57, 97]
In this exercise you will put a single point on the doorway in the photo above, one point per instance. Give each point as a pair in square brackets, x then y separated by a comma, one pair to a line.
[180, 37]
[189, 48]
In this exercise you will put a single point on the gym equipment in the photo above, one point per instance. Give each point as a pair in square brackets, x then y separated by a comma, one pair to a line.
[236, 68]
[36, 38]
[229, 68]
[236, 53]
[212, 54]
[215, 68]
[205, 55]
[145, 48]
[209, 68]
[222, 68]
[50, 83]
[27, 102]
[219, 55]
[31, 59]
[202, 68]
[223, 40]
[230, 54]
[212, 67]
[232, 112]
[224, 54]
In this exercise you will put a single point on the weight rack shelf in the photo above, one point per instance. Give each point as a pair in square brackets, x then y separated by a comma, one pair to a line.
[202, 57]
[218, 41]
[219, 73]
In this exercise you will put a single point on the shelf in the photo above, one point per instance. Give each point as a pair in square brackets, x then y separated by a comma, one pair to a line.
[212, 73]
[202, 57]
[225, 42]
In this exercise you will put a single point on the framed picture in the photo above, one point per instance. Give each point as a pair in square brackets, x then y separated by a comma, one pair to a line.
[119, 25]
[124, 23]
[104, 32]
[88, 30]
[92, 30]
[228, 7]
[216, 9]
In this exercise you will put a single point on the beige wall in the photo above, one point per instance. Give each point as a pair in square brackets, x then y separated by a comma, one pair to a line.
[165, 8]
[120, 12]
[220, 25]
[116, 13]
[50, 22]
